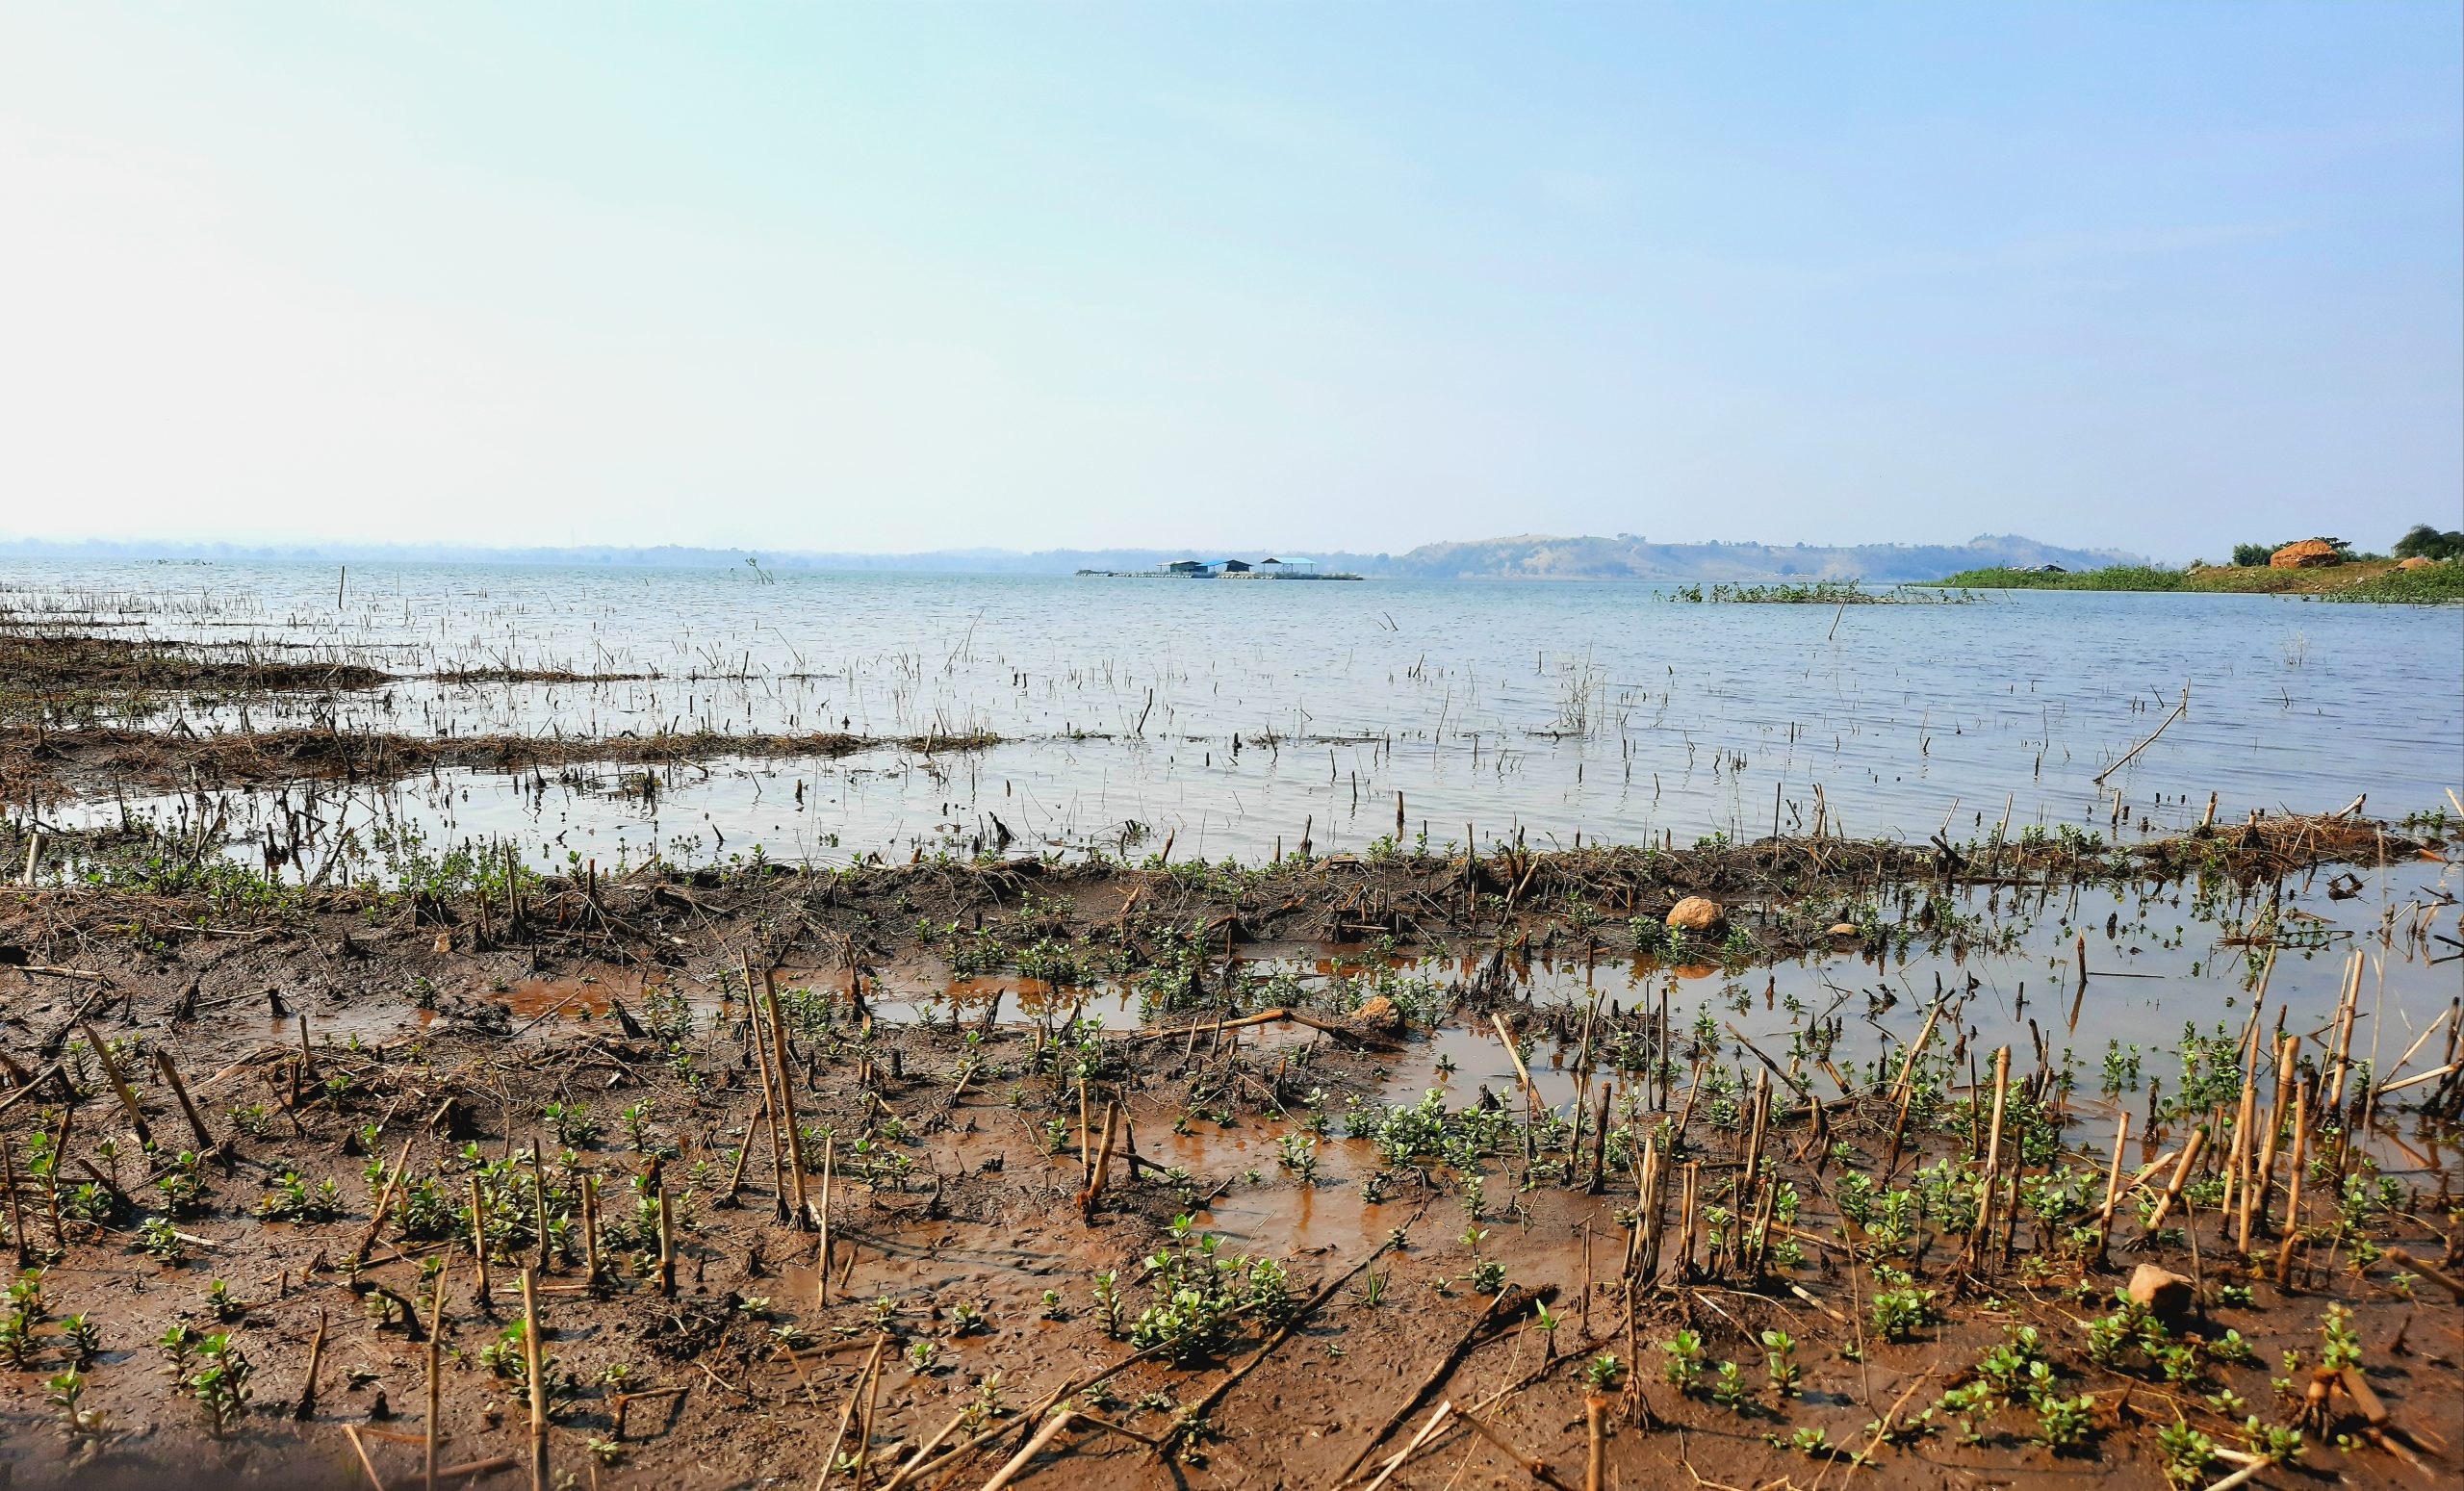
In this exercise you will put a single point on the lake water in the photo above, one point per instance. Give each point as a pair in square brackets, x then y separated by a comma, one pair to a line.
[1547, 710]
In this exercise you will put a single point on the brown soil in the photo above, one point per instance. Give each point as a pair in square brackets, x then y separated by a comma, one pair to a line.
[51, 764]
[299, 1024]
[37, 667]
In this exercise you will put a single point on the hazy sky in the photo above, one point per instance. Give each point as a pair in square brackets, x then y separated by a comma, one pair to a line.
[902, 276]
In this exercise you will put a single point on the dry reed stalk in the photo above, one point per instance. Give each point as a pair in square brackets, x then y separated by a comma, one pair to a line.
[535, 1370]
[2181, 1174]
[434, 1382]
[847, 1415]
[759, 1031]
[480, 1241]
[787, 1105]
[590, 1226]
[351, 1431]
[306, 1408]
[829, 1160]
[666, 1245]
[188, 1106]
[384, 1204]
[1050, 1431]
[1428, 1427]
[119, 1084]
[1985, 1190]
[2292, 1200]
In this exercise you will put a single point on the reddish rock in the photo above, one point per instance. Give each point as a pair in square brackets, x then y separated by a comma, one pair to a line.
[1696, 914]
[2160, 1291]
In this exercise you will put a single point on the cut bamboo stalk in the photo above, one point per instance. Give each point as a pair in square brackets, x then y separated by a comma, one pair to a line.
[351, 1431]
[119, 1084]
[480, 1241]
[1051, 1431]
[306, 1408]
[539, 1203]
[666, 1245]
[1428, 1427]
[1985, 1190]
[2181, 1173]
[847, 1414]
[188, 1106]
[435, 1386]
[590, 1229]
[788, 1112]
[2292, 1200]
[384, 1204]
[535, 1370]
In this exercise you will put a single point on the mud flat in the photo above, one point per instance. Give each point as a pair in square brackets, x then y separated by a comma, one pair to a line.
[1809, 1158]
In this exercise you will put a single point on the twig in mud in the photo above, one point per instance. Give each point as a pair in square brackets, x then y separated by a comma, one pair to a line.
[1043, 1436]
[1509, 1304]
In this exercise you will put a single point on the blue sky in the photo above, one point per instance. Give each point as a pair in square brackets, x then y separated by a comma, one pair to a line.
[1363, 276]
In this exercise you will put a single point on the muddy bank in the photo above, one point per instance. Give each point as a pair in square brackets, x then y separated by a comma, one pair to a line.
[49, 765]
[39, 669]
[784, 1216]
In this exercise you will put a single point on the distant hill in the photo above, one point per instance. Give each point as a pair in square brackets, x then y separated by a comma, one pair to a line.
[1628, 556]
[1528, 557]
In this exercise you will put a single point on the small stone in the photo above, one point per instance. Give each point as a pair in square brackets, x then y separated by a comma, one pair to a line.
[2160, 1291]
[1696, 914]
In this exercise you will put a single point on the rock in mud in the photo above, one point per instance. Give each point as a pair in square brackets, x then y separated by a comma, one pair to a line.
[2161, 1291]
[1378, 1014]
[1696, 914]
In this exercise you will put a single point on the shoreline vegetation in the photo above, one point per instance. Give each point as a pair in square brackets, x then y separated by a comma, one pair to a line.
[2378, 581]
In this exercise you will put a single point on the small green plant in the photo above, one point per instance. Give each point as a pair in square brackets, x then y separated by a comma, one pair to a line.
[2186, 1453]
[1683, 1368]
[1727, 1386]
[2271, 1442]
[176, 1344]
[67, 1392]
[1109, 1302]
[292, 1200]
[1779, 1362]
[570, 1123]
[219, 1384]
[2342, 1344]
[1900, 1312]
[1605, 1372]
[2065, 1424]
[160, 1241]
[83, 1336]
[221, 1303]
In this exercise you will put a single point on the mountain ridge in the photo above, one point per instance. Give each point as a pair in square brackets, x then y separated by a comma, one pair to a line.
[1522, 557]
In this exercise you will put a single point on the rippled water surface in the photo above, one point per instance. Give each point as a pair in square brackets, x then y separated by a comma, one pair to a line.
[1234, 716]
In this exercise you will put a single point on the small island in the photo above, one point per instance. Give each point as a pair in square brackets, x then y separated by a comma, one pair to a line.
[1226, 569]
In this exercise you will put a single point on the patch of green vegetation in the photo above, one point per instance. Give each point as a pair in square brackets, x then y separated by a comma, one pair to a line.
[2118, 576]
[2438, 584]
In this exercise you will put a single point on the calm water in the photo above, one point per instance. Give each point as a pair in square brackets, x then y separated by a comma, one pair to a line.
[1608, 710]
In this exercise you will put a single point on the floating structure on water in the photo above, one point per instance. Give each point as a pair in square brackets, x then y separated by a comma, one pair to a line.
[1227, 569]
